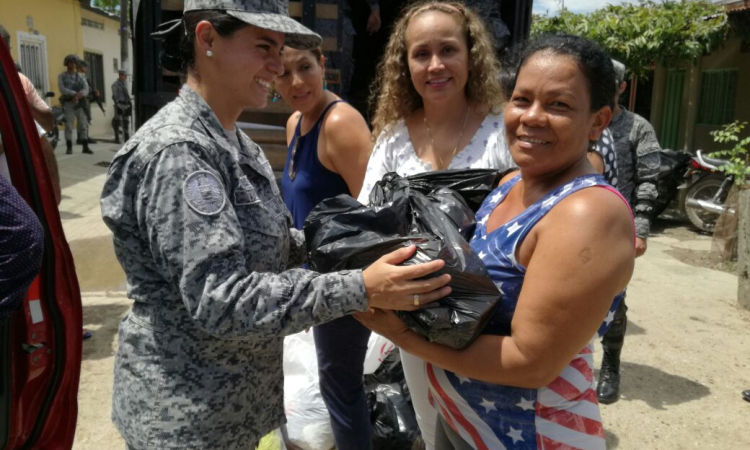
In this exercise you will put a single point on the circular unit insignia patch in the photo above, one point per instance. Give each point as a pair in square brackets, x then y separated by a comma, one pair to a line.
[204, 193]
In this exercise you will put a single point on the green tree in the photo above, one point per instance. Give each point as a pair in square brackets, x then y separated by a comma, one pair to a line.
[647, 32]
[112, 6]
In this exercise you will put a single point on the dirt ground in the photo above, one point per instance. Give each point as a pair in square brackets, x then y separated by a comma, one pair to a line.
[685, 359]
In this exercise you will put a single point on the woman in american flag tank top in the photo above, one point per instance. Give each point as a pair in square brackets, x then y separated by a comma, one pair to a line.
[558, 242]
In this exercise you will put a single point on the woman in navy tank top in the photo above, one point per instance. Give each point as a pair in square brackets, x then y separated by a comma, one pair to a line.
[329, 145]
[559, 243]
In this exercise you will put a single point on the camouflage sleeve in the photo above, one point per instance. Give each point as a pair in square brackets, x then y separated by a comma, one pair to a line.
[85, 90]
[647, 174]
[63, 87]
[203, 254]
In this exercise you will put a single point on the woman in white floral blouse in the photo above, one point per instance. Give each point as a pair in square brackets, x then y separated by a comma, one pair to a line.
[439, 107]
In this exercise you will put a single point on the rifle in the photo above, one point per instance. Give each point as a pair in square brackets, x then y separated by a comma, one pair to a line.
[99, 102]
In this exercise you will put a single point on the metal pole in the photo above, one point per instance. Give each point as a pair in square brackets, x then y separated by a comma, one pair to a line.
[124, 63]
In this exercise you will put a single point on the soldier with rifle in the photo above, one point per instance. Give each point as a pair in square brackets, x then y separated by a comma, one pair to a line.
[94, 96]
[123, 107]
[73, 89]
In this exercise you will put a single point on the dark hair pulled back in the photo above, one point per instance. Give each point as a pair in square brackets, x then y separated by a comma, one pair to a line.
[593, 61]
[179, 46]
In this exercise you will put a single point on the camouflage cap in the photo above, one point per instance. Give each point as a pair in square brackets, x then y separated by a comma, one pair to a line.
[267, 14]
[69, 58]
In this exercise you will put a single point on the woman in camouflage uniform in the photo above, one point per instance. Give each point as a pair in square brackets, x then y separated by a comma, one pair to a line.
[204, 239]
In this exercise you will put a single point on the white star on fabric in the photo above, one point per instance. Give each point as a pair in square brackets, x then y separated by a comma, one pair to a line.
[590, 182]
[484, 238]
[513, 228]
[496, 197]
[610, 317]
[488, 405]
[525, 405]
[515, 435]
[499, 286]
[462, 379]
[482, 255]
[567, 187]
[547, 203]
[484, 220]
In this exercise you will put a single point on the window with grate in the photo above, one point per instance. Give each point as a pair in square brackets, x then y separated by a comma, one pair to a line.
[96, 73]
[717, 96]
[32, 52]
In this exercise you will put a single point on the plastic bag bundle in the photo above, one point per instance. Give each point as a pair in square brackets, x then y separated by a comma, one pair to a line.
[378, 349]
[394, 425]
[308, 423]
[343, 234]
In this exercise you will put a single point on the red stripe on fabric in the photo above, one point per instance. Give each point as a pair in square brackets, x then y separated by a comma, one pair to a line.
[551, 444]
[564, 389]
[582, 366]
[455, 411]
[586, 351]
[572, 421]
[448, 419]
[589, 396]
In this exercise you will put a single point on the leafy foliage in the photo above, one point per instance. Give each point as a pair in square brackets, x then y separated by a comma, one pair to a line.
[739, 165]
[640, 34]
[112, 6]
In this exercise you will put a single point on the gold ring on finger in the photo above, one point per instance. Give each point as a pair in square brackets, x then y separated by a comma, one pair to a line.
[416, 299]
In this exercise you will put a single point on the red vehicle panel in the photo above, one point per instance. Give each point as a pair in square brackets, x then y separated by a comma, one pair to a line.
[40, 346]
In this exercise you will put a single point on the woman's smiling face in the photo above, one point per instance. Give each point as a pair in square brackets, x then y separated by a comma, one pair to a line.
[253, 56]
[549, 119]
[437, 55]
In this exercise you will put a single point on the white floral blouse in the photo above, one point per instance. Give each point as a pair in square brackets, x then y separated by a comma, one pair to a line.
[394, 152]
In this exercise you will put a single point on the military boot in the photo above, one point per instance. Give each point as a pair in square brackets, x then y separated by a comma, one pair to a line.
[127, 136]
[86, 149]
[68, 147]
[608, 388]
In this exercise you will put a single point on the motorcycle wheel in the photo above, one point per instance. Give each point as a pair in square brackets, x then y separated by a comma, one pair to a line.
[705, 189]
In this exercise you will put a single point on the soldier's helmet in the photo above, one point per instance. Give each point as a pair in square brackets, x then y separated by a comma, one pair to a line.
[69, 59]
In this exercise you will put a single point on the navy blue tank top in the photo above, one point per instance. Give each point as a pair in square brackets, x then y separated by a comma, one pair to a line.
[307, 182]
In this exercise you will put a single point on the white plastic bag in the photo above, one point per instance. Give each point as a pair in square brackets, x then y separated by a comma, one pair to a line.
[308, 423]
[378, 348]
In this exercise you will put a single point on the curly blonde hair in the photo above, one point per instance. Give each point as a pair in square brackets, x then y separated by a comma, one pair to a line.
[393, 92]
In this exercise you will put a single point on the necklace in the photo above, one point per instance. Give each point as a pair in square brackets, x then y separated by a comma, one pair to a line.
[455, 149]
[292, 169]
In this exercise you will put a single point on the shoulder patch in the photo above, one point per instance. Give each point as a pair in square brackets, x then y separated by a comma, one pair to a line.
[204, 193]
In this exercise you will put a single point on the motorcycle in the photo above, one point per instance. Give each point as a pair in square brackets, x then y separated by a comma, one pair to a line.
[53, 136]
[705, 190]
[672, 165]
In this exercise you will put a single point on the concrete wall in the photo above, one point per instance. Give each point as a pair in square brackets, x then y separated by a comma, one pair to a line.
[695, 136]
[58, 21]
[105, 42]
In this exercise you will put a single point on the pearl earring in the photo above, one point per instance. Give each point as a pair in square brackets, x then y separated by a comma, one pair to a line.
[209, 53]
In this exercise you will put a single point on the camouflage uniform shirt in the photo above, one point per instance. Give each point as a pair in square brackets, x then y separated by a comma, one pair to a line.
[72, 83]
[205, 241]
[637, 165]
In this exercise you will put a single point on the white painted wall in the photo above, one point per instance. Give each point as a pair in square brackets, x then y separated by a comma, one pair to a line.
[107, 43]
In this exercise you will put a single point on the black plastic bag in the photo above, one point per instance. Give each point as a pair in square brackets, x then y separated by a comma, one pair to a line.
[473, 185]
[394, 424]
[343, 234]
